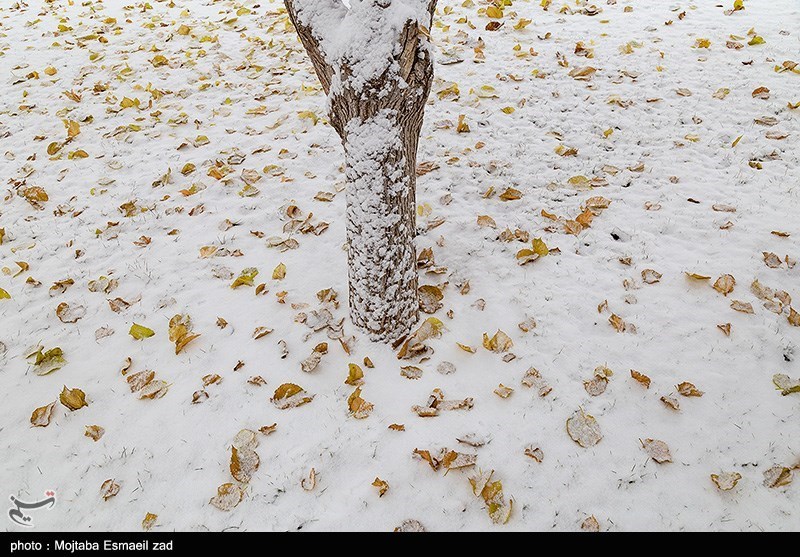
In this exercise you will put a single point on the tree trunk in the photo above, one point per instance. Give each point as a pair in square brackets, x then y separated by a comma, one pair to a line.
[379, 124]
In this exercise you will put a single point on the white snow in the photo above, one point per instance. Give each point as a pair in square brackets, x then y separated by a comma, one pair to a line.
[244, 82]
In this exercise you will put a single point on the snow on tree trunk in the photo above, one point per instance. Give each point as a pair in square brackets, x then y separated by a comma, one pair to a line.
[375, 64]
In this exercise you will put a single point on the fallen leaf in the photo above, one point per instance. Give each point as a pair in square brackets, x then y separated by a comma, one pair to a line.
[725, 481]
[658, 450]
[228, 496]
[724, 284]
[74, 399]
[140, 332]
[244, 463]
[641, 378]
[590, 524]
[41, 416]
[310, 482]
[149, 521]
[584, 429]
[382, 486]
[744, 307]
[109, 489]
[670, 401]
[94, 432]
[359, 408]
[534, 452]
[777, 476]
[687, 389]
[289, 395]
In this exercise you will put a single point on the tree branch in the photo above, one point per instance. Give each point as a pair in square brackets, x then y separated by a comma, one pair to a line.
[306, 32]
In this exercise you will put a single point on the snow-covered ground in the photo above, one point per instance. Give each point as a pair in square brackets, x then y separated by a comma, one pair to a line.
[698, 182]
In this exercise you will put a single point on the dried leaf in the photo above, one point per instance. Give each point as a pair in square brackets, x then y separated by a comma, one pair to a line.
[41, 416]
[688, 389]
[228, 496]
[777, 476]
[744, 307]
[140, 332]
[658, 450]
[290, 395]
[109, 489]
[244, 463]
[584, 429]
[724, 284]
[94, 432]
[359, 408]
[74, 399]
[310, 482]
[149, 521]
[725, 481]
[382, 486]
[534, 452]
[641, 378]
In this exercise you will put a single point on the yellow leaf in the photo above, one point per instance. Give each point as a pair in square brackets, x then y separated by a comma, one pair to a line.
[140, 332]
[355, 375]
[245, 278]
[79, 154]
[756, 40]
[736, 141]
[508, 109]
[73, 128]
[522, 23]
[159, 60]
[149, 521]
[382, 486]
[280, 272]
[608, 133]
[539, 247]
[309, 115]
[494, 12]
[74, 399]
[4, 295]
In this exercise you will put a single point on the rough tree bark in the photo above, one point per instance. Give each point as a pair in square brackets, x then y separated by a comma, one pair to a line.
[376, 100]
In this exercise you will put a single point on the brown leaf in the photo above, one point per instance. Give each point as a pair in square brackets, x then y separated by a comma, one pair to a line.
[310, 482]
[382, 486]
[149, 521]
[244, 463]
[670, 401]
[109, 489]
[359, 408]
[744, 307]
[228, 496]
[641, 378]
[534, 452]
[725, 481]
[41, 416]
[777, 476]
[94, 432]
[724, 284]
[658, 450]
[426, 456]
[687, 389]
[590, 524]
